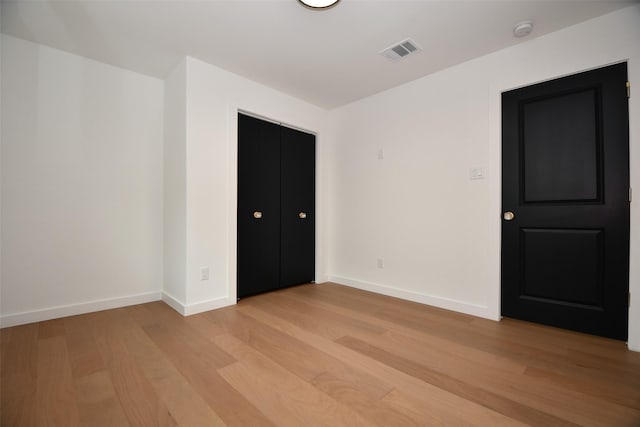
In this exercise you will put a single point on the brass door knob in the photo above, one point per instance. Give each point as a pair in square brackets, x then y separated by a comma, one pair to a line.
[302, 215]
[257, 214]
[508, 216]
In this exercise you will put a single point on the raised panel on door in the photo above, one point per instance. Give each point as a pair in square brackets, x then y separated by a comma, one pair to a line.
[565, 253]
[562, 148]
[563, 266]
[298, 207]
[258, 250]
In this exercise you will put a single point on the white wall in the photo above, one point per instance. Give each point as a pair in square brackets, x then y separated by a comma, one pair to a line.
[438, 231]
[175, 184]
[81, 184]
[213, 99]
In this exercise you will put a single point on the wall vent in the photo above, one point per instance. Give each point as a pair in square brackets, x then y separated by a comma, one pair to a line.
[400, 50]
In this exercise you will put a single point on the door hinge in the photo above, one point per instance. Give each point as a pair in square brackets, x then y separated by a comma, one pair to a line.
[630, 195]
[628, 89]
[629, 299]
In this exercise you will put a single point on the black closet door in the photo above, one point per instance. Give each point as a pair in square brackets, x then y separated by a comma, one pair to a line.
[258, 206]
[298, 207]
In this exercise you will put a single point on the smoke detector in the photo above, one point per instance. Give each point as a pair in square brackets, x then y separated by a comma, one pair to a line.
[522, 29]
[400, 50]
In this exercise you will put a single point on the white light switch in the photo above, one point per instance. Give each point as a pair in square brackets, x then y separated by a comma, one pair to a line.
[476, 173]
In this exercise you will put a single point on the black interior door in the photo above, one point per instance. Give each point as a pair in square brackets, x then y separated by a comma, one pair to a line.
[258, 206]
[276, 206]
[298, 207]
[565, 199]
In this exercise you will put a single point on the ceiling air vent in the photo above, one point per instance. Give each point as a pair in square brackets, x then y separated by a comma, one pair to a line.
[400, 50]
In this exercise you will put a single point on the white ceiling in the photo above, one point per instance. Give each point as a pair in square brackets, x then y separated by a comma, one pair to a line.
[328, 58]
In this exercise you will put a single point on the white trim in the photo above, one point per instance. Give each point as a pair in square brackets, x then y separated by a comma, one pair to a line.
[267, 119]
[446, 303]
[633, 75]
[208, 305]
[173, 302]
[33, 316]
[199, 307]
[232, 201]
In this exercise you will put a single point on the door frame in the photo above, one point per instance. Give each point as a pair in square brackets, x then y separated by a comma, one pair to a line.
[232, 213]
[517, 81]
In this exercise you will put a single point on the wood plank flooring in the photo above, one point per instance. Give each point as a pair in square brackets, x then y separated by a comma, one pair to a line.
[312, 355]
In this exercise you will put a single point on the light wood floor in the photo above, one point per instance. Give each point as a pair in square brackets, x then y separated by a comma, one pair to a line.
[322, 355]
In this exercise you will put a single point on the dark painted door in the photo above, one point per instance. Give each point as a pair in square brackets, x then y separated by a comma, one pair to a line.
[276, 206]
[298, 207]
[565, 200]
[258, 206]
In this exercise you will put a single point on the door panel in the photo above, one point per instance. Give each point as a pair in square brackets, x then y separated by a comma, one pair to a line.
[258, 191]
[562, 147]
[562, 266]
[298, 207]
[565, 255]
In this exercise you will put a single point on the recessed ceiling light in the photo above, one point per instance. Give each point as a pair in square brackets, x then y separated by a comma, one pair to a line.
[522, 29]
[319, 4]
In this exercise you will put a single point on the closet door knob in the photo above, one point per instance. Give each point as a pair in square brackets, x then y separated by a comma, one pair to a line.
[302, 215]
[257, 214]
[508, 216]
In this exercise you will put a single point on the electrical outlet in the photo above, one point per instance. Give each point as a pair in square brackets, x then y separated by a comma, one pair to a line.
[204, 273]
[380, 262]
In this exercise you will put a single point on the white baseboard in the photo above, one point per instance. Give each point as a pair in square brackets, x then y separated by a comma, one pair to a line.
[173, 302]
[446, 303]
[15, 319]
[208, 305]
[195, 308]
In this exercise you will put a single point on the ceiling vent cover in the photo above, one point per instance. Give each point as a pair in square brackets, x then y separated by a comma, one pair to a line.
[400, 50]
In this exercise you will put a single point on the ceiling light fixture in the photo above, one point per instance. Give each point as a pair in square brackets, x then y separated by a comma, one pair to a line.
[319, 4]
[522, 29]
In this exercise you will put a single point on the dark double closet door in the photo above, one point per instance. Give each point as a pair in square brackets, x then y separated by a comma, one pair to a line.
[276, 206]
